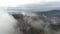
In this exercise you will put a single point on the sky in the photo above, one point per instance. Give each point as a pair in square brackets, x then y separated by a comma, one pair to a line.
[14, 3]
[38, 5]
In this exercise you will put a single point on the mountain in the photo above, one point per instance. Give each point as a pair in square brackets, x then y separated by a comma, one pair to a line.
[50, 13]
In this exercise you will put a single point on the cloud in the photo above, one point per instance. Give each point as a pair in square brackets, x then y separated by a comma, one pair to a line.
[13, 3]
[31, 5]
[42, 6]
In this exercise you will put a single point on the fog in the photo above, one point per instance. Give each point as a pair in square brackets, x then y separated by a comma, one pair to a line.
[8, 24]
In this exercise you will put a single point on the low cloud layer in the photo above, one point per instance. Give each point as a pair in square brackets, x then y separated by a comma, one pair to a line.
[43, 6]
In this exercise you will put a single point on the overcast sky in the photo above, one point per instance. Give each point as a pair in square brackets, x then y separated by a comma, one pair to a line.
[14, 3]
[32, 5]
